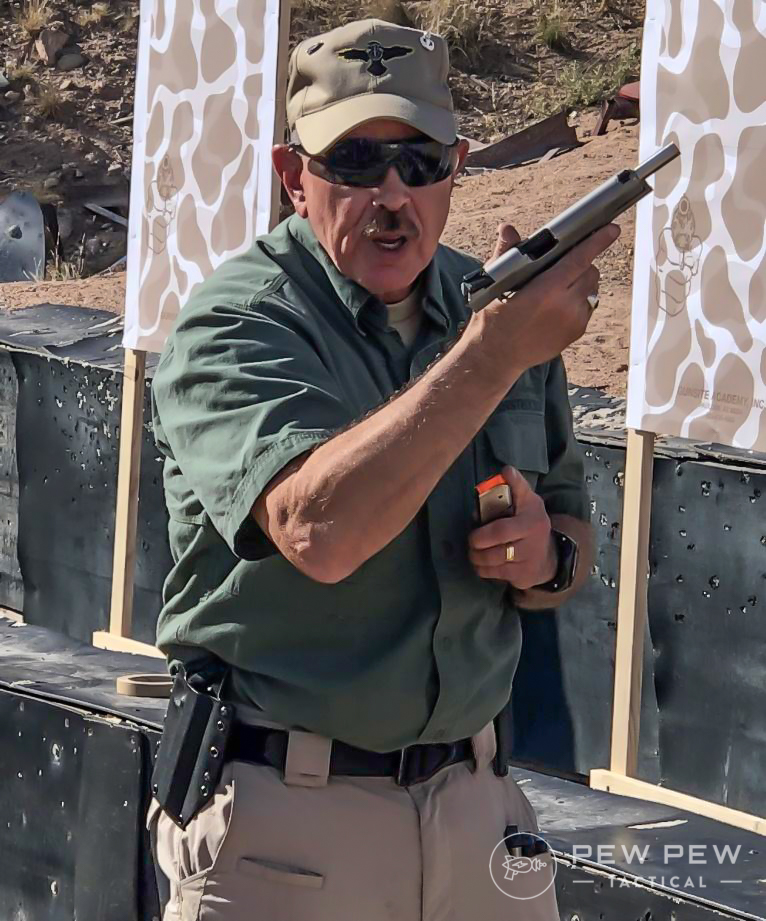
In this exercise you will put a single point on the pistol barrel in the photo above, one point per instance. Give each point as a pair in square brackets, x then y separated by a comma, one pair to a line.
[657, 161]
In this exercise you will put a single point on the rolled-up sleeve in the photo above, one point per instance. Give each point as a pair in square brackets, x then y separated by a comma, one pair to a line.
[563, 486]
[240, 392]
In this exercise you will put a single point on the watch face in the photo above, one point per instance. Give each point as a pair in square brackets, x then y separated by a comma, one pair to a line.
[567, 551]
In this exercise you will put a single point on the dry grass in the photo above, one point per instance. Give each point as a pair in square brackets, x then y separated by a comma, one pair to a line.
[128, 20]
[388, 11]
[50, 102]
[467, 28]
[93, 15]
[34, 16]
[62, 270]
[22, 75]
[581, 85]
[553, 28]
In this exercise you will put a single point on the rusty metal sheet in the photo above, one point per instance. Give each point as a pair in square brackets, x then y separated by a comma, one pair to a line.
[528, 144]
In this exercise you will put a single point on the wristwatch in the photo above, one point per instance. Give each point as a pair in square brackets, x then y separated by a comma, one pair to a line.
[566, 553]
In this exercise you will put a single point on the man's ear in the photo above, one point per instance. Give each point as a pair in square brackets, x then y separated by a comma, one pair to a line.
[288, 165]
[462, 153]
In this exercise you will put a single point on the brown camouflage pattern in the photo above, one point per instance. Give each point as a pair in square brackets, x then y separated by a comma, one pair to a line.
[204, 125]
[697, 351]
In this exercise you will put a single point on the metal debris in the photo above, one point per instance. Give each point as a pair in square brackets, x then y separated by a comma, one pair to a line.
[625, 104]
[22, 238]
[532, 143]
[109, 215]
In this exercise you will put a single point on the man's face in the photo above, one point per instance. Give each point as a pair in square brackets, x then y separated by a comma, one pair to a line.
[381, 237]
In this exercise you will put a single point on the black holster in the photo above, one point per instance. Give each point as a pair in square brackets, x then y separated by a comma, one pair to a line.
[504, 740]
[191, 752]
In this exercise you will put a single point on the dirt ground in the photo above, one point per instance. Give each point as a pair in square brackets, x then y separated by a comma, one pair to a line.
[104, 292]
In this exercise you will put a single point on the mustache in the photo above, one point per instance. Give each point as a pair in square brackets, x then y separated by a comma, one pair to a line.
[385, 221]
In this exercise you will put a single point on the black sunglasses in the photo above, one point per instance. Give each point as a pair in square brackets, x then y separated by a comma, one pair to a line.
[365, 163]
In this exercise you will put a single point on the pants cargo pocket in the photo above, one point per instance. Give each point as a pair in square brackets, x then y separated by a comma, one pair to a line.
[280, 873]
[187, 856]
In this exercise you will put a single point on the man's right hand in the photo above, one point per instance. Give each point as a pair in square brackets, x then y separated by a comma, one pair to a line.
[549, 313]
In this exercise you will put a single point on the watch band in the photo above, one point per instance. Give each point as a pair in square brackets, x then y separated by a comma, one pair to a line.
[566, 552]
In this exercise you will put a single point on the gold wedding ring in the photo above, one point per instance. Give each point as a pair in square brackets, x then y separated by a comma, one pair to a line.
[593, 301]
[510, 553]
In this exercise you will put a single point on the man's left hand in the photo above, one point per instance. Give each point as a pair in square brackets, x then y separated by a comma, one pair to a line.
[527, 531]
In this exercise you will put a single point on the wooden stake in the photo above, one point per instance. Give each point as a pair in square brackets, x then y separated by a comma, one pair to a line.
[126, 519]
[632, 602]
[640, 789]
[103, 639]
[280, 108]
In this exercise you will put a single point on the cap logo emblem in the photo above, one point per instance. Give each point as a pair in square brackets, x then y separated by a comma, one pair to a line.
[427, 41]
[375, 56]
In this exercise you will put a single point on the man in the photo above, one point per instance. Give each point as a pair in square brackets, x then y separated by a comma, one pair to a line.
[327, 404]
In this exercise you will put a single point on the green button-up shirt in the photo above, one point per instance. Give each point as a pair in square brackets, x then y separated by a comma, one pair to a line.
[271, 356]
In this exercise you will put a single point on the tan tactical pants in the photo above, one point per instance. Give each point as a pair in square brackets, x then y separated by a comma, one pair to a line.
[308, 847]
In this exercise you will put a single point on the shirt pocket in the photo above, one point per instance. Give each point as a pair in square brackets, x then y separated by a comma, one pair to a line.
[517, 438]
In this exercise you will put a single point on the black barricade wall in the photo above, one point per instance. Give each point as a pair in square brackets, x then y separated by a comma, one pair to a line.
[563, 687]
[11, 583]
[703, 721]
[67, 419]
[707, 599]
[73, 800]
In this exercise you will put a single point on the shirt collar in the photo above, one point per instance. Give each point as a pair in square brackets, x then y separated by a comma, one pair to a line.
[350, 294]
[354, 296]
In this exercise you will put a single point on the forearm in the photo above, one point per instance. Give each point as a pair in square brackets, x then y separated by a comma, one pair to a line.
[582, 534]
[350, 497]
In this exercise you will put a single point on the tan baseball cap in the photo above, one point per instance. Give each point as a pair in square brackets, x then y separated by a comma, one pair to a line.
[364, 71]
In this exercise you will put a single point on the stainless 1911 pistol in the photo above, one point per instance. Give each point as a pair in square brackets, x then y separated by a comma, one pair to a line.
[545, 247]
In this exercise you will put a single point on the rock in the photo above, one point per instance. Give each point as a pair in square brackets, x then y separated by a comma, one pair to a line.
[51, 182]
[108, 91]
[114, 168]
[4, 81]
[91, 156]
[13, 97]
[49, 45]
[78, 174]
[104, 249]
[71, 61]
[66, 224]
